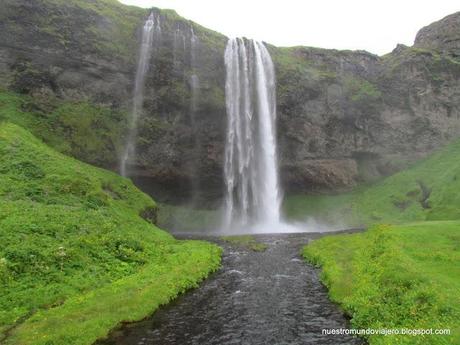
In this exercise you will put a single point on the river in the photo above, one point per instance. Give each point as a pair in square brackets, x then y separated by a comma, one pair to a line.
[269, 297]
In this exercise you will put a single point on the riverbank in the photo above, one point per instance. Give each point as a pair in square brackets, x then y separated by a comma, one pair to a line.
[80, 251]
[83, 319]
[404, 276]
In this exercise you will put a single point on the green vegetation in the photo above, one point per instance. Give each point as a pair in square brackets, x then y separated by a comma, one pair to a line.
[246, 241]
[107, 27]
[405, 276]
[425, 191]
[114, 38]
[79, 253]
[361, 91]
[437, 67]
[414, 52]
[295, 73]
[305, 72]
[88, 132]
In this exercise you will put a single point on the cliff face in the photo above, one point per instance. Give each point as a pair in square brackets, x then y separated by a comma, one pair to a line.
[351, 116]
[343, 117]
[59, 51]
[69, 49]
[443, 35]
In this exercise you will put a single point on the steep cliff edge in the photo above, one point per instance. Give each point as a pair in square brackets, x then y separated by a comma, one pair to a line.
[348, 117]
[443, 35]
[344, 117]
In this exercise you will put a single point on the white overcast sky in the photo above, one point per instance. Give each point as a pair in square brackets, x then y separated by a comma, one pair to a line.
[375, 26]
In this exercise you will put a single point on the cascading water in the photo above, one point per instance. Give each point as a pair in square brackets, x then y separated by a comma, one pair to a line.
[186, 46]
[194, 80]
[179, 48]
[194, 95]
[250, 170]
[151, 27]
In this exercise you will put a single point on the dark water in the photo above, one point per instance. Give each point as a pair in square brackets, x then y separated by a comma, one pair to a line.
[269, 297]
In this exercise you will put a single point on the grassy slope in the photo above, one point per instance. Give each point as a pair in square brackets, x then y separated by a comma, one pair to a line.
[80, 129]
[76, 257]
[426, 191]
[405, 276]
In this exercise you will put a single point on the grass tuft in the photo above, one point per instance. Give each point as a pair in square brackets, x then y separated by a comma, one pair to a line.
[246, 241]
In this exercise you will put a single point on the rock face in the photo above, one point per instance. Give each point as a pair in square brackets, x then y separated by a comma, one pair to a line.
[343, 117]
[442, 35]
[379, 112]
[67, 50]
[87, 50]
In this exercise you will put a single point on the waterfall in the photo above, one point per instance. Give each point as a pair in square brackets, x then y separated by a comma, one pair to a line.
[194, 96]
[179, 47]
[252, 195]
[195, 81]
[186, 50]
[151, 27]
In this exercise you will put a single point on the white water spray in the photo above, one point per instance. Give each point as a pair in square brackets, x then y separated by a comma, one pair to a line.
[195, 81]
[253, 195]
[194, 96]
[151, 27]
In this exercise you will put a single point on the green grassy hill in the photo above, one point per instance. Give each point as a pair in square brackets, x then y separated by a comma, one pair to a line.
[404, 275]
[426, 191]
[76, 128]
[79, 252]
[394, 277]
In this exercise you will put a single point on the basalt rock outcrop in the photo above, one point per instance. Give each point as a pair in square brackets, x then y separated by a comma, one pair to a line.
[443, 36]
[344, 117]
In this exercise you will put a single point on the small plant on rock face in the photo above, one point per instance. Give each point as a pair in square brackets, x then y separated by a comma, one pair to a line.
[362, 94]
